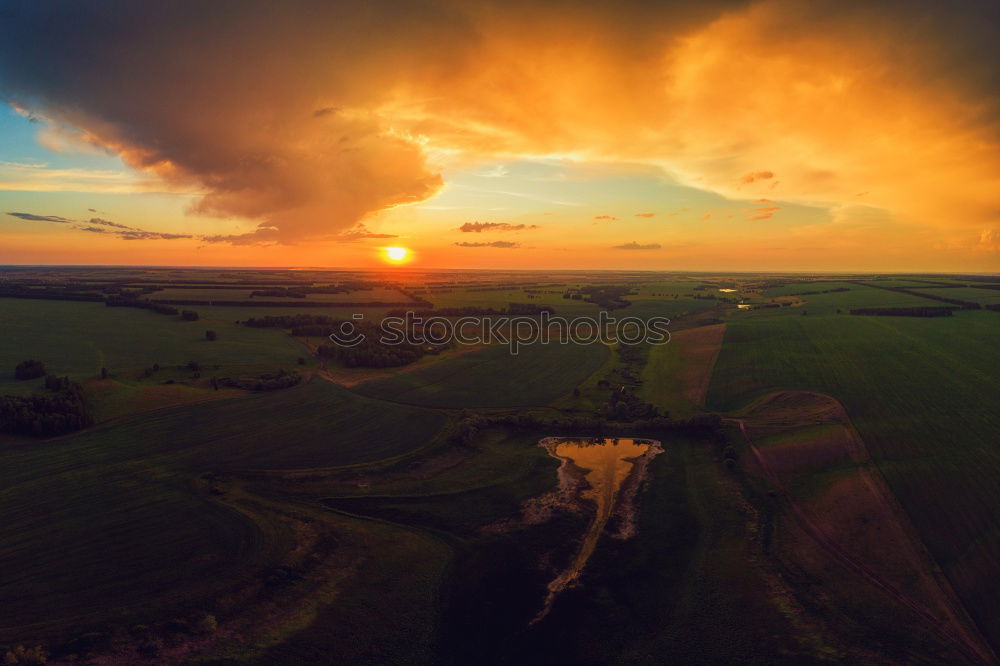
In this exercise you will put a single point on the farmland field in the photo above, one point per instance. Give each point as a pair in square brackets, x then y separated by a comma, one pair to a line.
[922, 394]
[276, 503]
[78, 339]
[124, 493]
[974, 294]
[858, 296]
[492, 377]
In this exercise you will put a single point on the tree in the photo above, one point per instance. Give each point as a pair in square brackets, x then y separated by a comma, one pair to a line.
[22, 655]
[207, 624]
[210, 336]
[30, 369]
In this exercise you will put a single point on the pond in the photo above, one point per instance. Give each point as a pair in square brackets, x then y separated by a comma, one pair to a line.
[598, 469]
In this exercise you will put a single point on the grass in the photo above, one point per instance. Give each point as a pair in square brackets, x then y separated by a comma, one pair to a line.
[922, 394]
[492, 377]
[111, 523]
[78, 339]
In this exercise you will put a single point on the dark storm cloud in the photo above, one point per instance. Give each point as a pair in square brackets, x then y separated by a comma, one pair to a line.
[307, 116]
[267, 106]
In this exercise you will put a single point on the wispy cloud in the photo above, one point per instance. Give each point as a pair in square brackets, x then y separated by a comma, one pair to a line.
[609, 218]
[645, 214]
[764, 212]
[754, 176]
[28, 177]
[500, 244]
[499, 171]
[107, 223]
[637, 246]
[361, 232]
[97, 225]
[39, 218]
[479, 227]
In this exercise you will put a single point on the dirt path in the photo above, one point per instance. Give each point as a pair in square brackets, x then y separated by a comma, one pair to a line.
[956, 628]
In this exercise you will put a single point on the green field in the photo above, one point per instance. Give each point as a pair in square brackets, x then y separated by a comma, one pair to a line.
[981, 296]
[668, 288]
[235, 294]
[492, 377]
[109, 521]
[922, 393]
[896, 282]
[501, 298]
[78, 339]
[644, 308]
[793, 288]
[859, 296]
[393, 521]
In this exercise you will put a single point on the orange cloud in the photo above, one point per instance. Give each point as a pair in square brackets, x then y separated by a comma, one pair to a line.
[754, 176]
[393, 93]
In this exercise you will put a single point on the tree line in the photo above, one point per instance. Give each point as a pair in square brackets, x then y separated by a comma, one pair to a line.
[470, 425]
[288, 321]
[268, 381]
[370, 352]
[933, 311]
[965, 305]
[821, 291]
[58, 409]
[512, 310]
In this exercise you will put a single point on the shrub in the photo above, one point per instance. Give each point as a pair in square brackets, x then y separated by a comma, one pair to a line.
[210, 336]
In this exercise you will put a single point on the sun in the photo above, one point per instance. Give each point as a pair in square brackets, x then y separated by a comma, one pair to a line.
[396, 254]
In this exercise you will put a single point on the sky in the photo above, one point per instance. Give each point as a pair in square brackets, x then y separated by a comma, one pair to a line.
[770, 135]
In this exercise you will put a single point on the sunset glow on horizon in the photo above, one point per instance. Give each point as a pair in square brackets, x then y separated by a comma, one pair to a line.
[865, 138]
